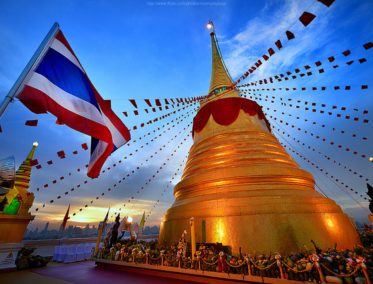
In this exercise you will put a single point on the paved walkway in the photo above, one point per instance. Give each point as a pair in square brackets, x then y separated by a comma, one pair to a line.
[80, 273]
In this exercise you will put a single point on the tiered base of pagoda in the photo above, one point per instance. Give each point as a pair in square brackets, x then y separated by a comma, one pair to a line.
[191, 275]
[262, 224]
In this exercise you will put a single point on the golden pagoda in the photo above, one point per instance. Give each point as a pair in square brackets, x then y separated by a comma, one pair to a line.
[15, 217]
[241, 186]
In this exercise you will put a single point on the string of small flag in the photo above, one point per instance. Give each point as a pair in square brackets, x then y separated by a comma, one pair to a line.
[132, 172]
[310, 106]
[306, 18]
[178, 170]
[140, 191]
[323, 88]
[317, 137]
[353, 135]
[164, 163]
[166, 101]
[134, 141]
[320, 153]
[323, 139]
[159, 107]
[326, 173]
[297, 73]
[141, 125]
[62, 153]
[185, 116]
[331, 159]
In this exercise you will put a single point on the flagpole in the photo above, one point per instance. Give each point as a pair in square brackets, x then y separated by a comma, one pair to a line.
[33, 62]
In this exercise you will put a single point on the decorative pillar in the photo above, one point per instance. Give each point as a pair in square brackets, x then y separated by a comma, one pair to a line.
[193, 237]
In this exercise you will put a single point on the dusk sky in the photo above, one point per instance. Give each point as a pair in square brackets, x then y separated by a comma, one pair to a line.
[161, 49]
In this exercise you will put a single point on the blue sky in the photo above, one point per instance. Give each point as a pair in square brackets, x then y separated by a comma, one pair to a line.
[160, 49]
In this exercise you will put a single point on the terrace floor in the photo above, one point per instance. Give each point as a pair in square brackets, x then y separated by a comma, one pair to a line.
[81, 273]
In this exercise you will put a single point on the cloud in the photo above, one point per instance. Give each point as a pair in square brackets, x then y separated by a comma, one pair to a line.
[260, 33]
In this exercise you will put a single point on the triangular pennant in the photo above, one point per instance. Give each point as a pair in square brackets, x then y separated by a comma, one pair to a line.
[133, 102]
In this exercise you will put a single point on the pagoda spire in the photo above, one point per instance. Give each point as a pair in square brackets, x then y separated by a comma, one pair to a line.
[23, 173]
[220, 77]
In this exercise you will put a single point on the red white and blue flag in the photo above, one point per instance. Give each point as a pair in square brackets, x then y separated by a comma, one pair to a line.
[58, 84]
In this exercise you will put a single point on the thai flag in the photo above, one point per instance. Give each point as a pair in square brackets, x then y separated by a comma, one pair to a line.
[57, 83]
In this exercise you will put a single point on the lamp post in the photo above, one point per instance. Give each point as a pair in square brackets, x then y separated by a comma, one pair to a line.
[210, 26]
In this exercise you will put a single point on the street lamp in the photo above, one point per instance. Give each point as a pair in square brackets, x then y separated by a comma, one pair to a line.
[210, 26]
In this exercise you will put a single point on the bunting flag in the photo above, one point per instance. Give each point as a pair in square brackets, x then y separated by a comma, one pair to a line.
[368, 45]
[34, 162]
[31, 122]
[58, 84]
[61, 154]
[278, 44]
[353, 135]
[133, 102]
[290, 35]
[64, 222]
[148, 102]
[327, 3]
[306, 18]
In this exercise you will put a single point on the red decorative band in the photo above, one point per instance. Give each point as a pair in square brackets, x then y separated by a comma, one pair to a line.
[226, 111]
